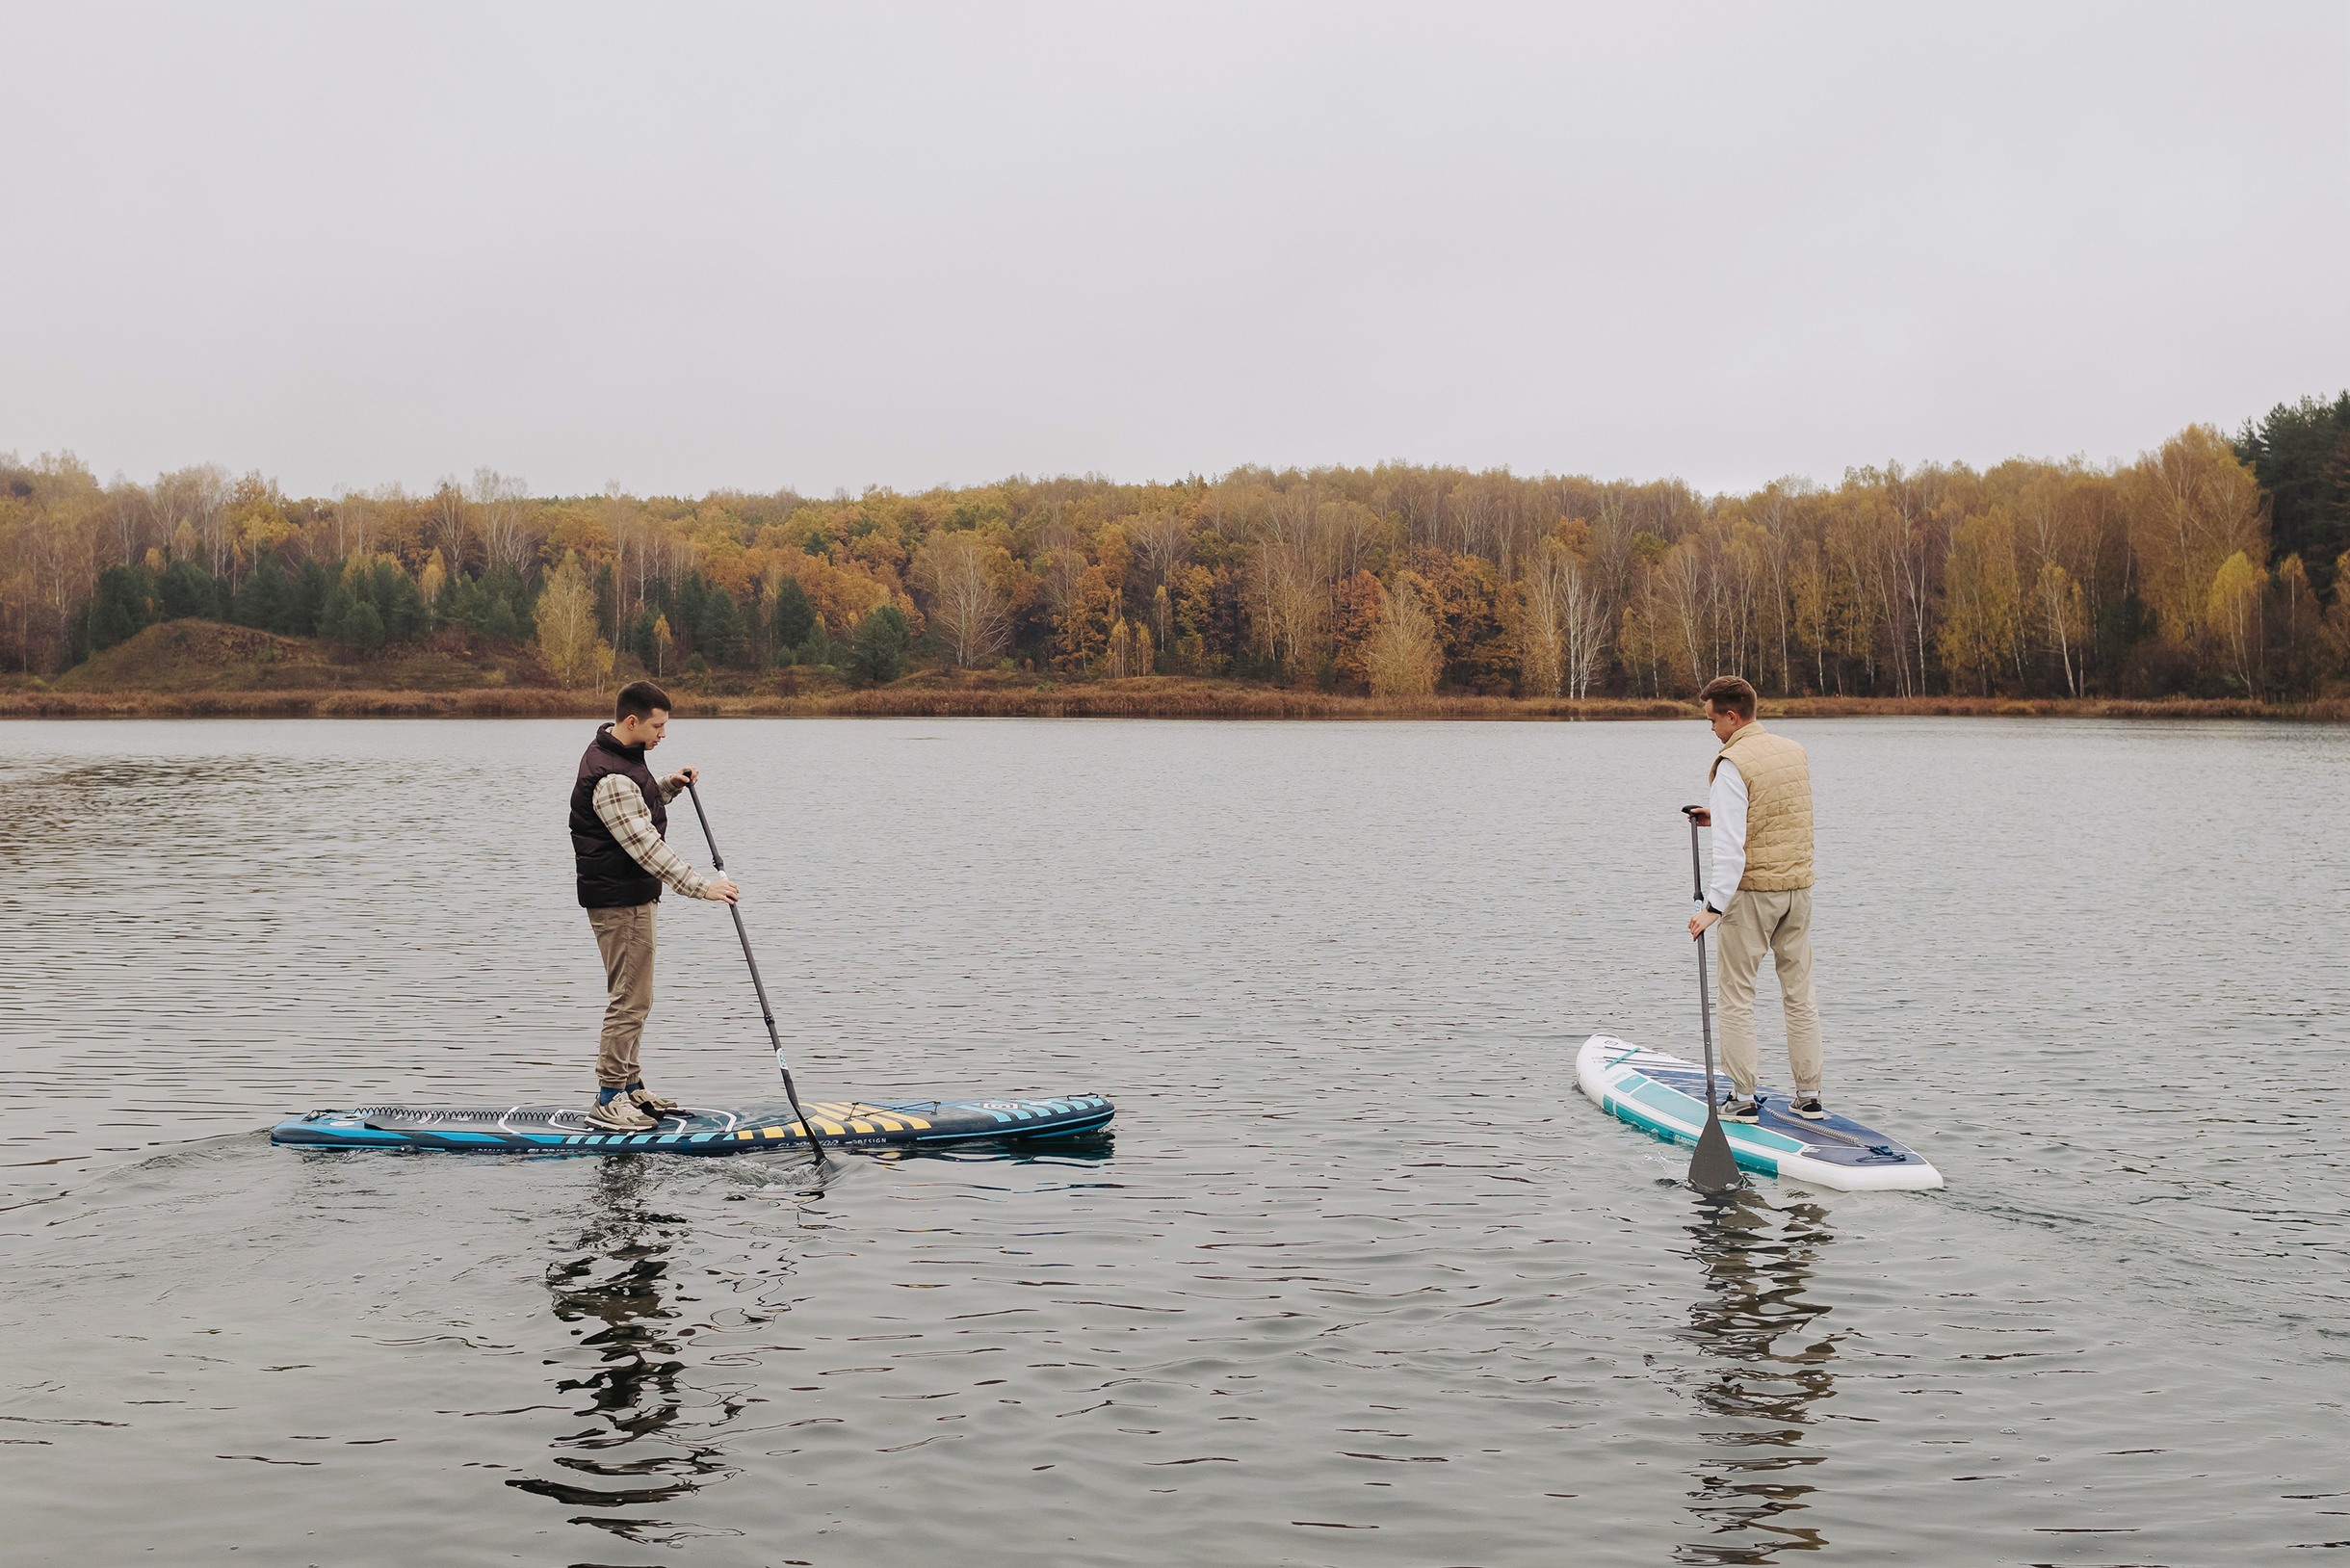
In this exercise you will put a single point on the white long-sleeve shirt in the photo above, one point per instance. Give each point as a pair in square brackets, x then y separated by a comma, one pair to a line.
[1727, 802]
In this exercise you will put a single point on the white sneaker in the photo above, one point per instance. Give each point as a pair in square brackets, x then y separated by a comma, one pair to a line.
[619, 1114]
[651, 1104]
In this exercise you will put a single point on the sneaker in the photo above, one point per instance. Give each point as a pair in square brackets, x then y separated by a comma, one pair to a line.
[1809, 1108]
[651, 1104]
[1741, 1108]
[618, 1114]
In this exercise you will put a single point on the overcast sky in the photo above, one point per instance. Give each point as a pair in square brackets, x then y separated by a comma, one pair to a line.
[690, 248]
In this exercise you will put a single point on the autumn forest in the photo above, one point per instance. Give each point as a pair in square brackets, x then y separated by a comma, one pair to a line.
[2212, 566]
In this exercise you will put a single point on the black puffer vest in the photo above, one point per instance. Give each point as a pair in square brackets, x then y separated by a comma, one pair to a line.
[609, 878]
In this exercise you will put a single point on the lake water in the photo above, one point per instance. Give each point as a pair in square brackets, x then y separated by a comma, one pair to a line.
[1357, 1277]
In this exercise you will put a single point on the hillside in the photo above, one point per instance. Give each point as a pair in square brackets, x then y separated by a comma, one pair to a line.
[184, 656]
[199, 668]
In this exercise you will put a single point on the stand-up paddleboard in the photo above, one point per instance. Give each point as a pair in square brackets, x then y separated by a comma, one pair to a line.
[846, 1124]
[1666, 1096]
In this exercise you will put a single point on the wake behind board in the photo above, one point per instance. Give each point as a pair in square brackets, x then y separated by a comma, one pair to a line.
[849, 1124]
[1666, 1096]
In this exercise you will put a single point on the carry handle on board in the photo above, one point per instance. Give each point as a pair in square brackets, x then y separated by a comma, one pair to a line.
[1712, 1168]
[719, 863]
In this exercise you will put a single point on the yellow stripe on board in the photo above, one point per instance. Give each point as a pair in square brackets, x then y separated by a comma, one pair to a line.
[835, 1117]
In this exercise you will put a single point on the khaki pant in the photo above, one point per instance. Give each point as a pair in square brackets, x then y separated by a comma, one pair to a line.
[1778, 924]
[625, 938]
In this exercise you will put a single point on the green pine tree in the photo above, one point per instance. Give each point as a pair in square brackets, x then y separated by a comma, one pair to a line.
[877, 653]
[334, 617]
[719, 632]
[264, 600]
[363, 627]
[791, 617]
[407, 614]
[2289, 452]
[118, 607]
[309, 601]
[185, 590]
[641, 637]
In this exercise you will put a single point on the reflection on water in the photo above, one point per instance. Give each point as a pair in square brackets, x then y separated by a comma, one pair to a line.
[652, 1437]
[1765, 1367]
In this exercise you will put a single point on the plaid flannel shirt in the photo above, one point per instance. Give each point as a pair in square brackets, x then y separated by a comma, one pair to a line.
[621, 806]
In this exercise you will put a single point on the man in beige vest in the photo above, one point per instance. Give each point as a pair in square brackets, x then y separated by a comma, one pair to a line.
[1759, 805]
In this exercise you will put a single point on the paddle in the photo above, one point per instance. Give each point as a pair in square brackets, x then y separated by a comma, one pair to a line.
[1712, 1168]
[759, 985]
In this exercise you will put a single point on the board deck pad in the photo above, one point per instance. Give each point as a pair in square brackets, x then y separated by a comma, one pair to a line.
[699, 1130]
[1665, 1095]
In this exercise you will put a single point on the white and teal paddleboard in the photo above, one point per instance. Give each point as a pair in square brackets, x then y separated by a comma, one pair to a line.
[1665, 1096]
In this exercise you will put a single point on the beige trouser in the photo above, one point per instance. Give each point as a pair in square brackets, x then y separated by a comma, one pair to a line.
[625, 938]
[1778, 924]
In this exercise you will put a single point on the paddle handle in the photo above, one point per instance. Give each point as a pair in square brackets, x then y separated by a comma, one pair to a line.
[1697, 872]
[717, 861]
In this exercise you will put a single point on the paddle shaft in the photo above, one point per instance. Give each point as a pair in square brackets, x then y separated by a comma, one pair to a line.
[1712, 1166]
[1705, 985]
[766, 1012]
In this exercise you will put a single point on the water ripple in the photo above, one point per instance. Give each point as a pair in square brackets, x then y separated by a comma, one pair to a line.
[1357, 1277]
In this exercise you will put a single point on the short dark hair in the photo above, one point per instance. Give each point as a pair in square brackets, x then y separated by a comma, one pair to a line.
[639, 699]
[1728, 691]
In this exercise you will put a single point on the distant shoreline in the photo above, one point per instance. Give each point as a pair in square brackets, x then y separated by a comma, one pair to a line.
[947, 696]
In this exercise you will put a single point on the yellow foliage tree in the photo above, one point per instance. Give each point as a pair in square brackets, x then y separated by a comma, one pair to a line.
[2191, 506]
[1404, 656]
[2231, 613]
[2059, 600]
[1979, 620]
[567, 640]
[1086, 613]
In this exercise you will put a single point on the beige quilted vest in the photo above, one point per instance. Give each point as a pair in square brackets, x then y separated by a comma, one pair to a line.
[1778, 808]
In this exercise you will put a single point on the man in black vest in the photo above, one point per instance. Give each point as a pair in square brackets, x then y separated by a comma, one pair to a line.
[618, 814]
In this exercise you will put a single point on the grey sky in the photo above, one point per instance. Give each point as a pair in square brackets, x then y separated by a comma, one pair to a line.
[691, 248]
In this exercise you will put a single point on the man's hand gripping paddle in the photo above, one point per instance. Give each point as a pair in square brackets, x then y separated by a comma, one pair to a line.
[1712, 1168]
[757, 984]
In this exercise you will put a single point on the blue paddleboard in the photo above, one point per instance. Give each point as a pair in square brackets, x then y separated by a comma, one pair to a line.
[846, 1124]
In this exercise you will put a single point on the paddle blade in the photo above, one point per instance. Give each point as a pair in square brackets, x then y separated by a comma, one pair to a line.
[1714, 1168]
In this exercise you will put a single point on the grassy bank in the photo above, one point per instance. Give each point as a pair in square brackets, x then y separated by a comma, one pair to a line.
[920, 698]
[199, 669]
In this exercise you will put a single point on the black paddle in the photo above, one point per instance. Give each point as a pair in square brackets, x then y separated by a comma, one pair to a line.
[759, 985]
[1712, 1168]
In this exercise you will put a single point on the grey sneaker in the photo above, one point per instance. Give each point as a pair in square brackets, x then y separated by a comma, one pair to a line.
[1740, 1107]
[651, 1104]
[1808, 1109]
[618, 1114]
